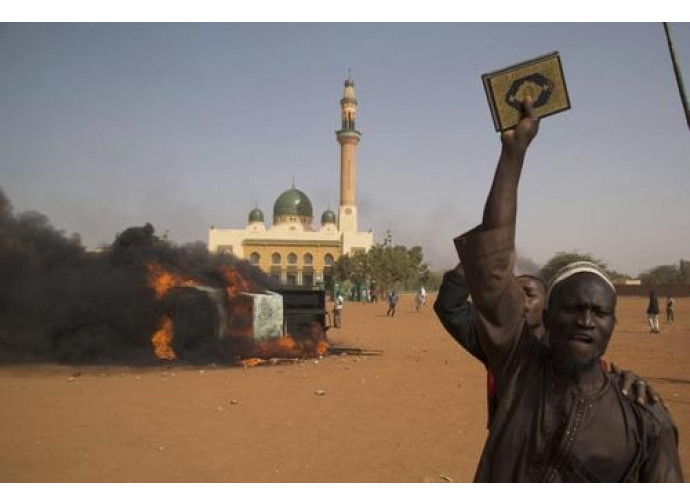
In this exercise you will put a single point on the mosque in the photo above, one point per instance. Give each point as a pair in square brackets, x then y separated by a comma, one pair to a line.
[292, 250]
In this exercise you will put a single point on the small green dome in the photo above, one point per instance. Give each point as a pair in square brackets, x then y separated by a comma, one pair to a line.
[292, 202]
[328, 217]
[256, 215]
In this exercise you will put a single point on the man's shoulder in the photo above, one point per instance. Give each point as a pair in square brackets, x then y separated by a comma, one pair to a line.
[654, 416]
[658, 416]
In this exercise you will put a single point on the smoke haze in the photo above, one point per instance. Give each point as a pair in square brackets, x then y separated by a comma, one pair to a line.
[59, 302]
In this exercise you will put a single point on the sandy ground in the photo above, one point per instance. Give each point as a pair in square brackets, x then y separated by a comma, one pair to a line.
[416, 413]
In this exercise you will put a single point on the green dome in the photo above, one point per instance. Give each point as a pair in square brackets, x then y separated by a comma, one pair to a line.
[292, 202]
[328, 217]
[256, 215]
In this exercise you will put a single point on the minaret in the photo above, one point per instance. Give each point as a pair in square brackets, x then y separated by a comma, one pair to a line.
[348, 138]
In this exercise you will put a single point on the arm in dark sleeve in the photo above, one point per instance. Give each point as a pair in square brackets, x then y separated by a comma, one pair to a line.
[662, 463]
[457, 314]
[488, 252]
[488, 257]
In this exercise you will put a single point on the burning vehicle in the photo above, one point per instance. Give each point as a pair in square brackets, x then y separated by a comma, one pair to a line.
[142, 300]
[236, 321]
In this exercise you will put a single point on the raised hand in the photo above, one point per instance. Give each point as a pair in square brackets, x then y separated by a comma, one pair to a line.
[517, 140]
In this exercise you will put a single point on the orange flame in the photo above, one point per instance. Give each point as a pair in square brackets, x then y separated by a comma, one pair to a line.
[252, 362]
[235, 282]
[322, 347]
[162, 280]
[313, 344]
[162, 339]
[289, 347]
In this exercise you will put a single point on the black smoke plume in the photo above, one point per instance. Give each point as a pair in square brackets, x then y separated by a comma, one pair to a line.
[61, 303]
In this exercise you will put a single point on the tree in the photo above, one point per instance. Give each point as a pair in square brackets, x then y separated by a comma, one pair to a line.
[385, 264]
[684, 271]
[562, 259]
[342, 268]
[353, 268]
[662, 275]
[434, 280]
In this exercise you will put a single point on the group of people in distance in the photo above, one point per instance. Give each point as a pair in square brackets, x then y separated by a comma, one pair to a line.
[557, 411]
[391, 298]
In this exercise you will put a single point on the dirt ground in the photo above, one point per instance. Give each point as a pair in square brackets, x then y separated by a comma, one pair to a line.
[416, 413]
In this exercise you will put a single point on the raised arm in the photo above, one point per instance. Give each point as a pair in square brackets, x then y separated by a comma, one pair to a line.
[457, 314]
[488, 251]
[500, 209]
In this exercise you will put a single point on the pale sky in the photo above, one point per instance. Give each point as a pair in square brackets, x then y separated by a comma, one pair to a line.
[106, 126]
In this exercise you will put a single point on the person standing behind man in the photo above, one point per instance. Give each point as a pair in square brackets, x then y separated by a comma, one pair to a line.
[458, 317]
[653, 312]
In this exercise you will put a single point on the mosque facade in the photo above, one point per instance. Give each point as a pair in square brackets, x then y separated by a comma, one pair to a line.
[293, 250]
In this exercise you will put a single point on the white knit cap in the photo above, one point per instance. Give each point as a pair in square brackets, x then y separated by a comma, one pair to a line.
[573, 269]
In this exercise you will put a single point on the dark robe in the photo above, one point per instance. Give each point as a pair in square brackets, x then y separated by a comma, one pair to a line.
[653, 306]
[546, 428]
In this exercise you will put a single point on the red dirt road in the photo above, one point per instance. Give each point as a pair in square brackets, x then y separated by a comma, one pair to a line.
[414, 414]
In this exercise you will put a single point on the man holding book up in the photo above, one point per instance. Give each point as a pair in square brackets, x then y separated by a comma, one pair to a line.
[560, 416]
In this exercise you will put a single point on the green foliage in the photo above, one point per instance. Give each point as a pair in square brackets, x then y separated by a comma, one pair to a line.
[385, 264]
[434, 280]
[618, 277]
[684, 271]
[667, 274]
[561, 259]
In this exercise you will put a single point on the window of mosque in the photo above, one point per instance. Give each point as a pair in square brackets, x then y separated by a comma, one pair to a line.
[292, 258]
[254, 258]
[308, 259]
[275, 258]
[328, 260]
[275, 273]
[308, 280]
[225, 249]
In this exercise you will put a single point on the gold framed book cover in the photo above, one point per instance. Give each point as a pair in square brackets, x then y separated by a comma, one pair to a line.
[541, 78]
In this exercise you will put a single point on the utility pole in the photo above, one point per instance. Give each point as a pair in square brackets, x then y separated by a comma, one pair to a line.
[679, 77]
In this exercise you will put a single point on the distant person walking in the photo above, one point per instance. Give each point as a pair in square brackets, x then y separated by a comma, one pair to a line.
[338, 310]
[421, 298]
[392, 302]
[653, 312]
[670, 305]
